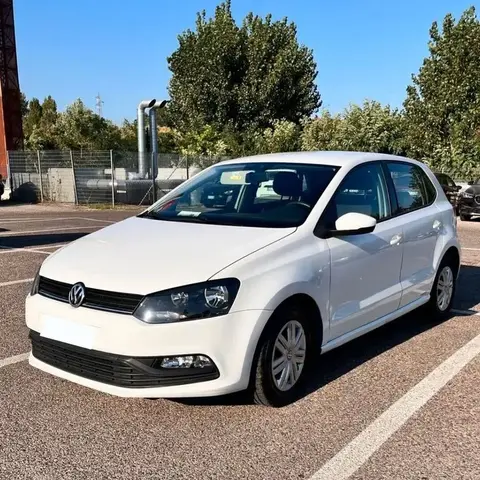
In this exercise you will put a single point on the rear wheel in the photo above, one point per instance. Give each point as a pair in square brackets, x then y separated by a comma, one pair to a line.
[443, 289]
[284, 357]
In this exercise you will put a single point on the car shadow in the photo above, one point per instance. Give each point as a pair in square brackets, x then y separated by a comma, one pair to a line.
[348, 357]
[467, 295]
[25, 241]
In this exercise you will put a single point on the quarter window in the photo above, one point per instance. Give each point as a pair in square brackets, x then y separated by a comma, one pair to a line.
[412, 186]
[363, 190]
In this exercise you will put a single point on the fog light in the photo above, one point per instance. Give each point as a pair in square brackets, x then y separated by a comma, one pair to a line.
[202, 362]
[186, 361]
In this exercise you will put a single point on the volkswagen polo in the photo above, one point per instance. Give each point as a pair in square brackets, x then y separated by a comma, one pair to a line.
[238, 278]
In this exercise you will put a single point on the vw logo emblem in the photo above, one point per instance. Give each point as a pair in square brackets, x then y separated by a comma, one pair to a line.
[77, 295]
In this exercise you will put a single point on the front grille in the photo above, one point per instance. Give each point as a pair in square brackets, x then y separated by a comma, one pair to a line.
[118, 370]
[96, 299]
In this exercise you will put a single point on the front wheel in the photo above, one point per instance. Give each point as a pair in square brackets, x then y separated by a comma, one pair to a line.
[285, 354]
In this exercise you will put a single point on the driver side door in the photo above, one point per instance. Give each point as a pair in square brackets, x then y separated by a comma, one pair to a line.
[365, 268]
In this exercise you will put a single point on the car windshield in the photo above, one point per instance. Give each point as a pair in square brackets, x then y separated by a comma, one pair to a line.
[248, 194]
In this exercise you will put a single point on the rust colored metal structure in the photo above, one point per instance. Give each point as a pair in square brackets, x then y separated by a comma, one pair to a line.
[11, 132]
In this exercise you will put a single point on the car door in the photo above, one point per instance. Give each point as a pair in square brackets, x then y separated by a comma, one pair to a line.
[365, 268]
[422, 228]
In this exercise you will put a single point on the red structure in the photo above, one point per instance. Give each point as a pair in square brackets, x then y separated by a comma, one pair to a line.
[11, 132]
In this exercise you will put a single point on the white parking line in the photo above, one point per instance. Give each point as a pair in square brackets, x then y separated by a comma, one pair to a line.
[15, 282]
[346, 462]
[471, 249]
[51, 219]
[96, 220]
[15, 359]
[4, 250]
[37, 219]
[10, 234]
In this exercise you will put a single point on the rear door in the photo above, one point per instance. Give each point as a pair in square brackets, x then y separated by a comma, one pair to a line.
[422, 226]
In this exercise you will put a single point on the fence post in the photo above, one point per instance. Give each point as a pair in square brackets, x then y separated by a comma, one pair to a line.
[74, 179]
[9, 174]
[41, 175]
[113, 179]
[187, 167]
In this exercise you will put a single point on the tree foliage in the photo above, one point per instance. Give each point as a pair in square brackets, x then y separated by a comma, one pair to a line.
[370, 127]
[442, 107]
[243, 77]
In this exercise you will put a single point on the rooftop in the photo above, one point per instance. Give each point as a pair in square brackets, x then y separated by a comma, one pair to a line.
[336, 158]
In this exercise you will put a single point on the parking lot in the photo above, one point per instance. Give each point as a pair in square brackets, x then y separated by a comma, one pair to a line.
[399, 403]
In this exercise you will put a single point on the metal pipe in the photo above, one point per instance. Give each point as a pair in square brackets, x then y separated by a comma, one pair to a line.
[141, 134]
[152, 115]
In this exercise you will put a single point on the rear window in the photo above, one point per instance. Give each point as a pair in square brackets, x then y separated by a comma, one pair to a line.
[412, 186]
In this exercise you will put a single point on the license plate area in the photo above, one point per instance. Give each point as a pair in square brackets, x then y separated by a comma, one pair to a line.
[69, 332]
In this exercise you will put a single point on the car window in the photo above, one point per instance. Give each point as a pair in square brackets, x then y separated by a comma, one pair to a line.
[247, 194]
[445, 179]
[363, 190]
[450, 182]
[412, 186]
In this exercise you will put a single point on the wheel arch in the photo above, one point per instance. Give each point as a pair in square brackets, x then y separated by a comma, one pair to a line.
[304, 301]
[453, 253]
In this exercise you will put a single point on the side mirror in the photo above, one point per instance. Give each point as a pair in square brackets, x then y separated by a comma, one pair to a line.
[471, 182]
[353, 223]
[458, 188]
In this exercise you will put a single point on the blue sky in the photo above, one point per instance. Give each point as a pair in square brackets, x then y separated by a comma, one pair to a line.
[76, 48]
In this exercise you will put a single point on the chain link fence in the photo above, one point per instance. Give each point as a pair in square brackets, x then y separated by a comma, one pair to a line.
[103, 177]
[97, 177]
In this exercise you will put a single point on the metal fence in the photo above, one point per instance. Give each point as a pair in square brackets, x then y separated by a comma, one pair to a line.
[101, 177]
[96, 177]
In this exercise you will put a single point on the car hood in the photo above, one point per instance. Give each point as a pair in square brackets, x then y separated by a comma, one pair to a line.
[473, 189]
[141, 255]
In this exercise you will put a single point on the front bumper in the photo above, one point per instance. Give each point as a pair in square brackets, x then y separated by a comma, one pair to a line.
[121, 341]
[469, 206]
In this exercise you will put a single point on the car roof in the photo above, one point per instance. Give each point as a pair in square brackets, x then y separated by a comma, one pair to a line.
[327, 157]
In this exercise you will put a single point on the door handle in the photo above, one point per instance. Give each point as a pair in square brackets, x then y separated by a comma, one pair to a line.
[396, 239]
[437, 224]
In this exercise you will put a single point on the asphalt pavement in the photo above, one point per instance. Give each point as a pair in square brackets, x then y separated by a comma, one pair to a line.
[399, 403]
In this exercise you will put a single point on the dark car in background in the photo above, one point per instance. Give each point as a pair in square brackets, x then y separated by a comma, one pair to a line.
[450, 188]
[468, 204]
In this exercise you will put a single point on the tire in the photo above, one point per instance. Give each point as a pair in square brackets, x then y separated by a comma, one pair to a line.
[465, 217]
[266, 389]
[447, 270]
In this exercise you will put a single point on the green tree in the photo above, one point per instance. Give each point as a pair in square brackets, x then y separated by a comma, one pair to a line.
[442, 108]
[240, 77]
[284, 136]
[323, 132]
[23, 105]
[48, 124]
[32, 118]
[370, 127]
[80, 128]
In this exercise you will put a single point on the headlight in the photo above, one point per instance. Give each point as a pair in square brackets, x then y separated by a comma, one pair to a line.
[201, 300]
[36, 281]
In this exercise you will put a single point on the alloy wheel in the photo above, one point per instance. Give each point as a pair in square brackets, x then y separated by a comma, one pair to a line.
[288, 358]
[444, 288]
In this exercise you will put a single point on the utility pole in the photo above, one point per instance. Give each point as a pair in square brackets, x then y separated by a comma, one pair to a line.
[98, 104]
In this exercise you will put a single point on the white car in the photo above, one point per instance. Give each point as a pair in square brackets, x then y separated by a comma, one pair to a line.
[188, 300]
